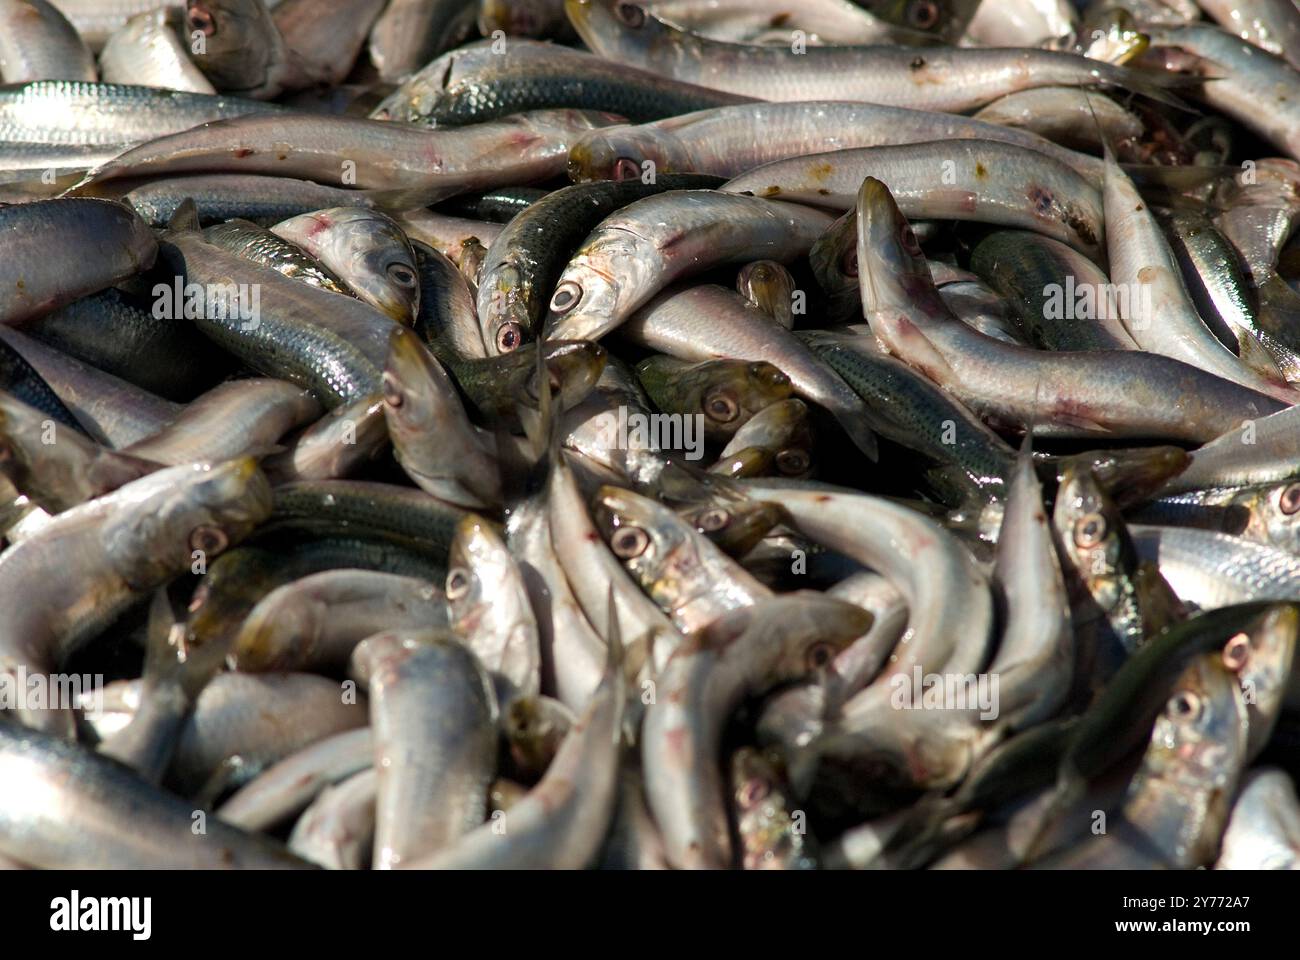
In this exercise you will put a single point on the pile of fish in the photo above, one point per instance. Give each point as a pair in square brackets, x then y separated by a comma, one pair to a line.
[681, 433]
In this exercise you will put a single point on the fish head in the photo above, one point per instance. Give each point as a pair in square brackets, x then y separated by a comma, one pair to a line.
[628, 153]
[278, 635]
[414, 385]
[892, 271]
[616, 28]
[730, 392]
[1090, 528]
[517, 18]
[651, 541]
[477, 563]
[735, 527]
[1199, 742]
[182, 518]
[506, 316]
[232, 41]
[1276, 514]
[382, 266]
[584, 302]
[767, 284]
[834, 255]
[1261, 658]
[942, 19]
[573, 366]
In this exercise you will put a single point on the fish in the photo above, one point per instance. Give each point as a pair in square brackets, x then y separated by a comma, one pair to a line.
[40, 44]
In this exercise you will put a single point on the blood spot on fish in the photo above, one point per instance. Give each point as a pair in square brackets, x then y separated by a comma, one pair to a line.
[1041, 199]
[772, 191]
[823, 498]
[1139, 208]
[918, 63]
[821, 171]
[780, 20]
[981, 171]
[1147, 275]
[823, 192]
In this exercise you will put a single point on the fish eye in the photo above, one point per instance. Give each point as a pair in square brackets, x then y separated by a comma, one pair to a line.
[1184, 706]
[208, 539]
[1289, 501]
[458, 581]
[392, 392]
[630, 14]
[1089, 530]
[566, 296]
[401, 274]
[713, 520]
[1236, 652]
[629, 542]
[923, 14]
[820, 655]
[721, 408]
[907, 236]
[849, 265]
[201, 19]
[792, 461]
[508, 337]
[625, 168]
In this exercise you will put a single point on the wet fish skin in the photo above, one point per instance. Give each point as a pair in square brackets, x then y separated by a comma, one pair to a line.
[949, 79]
[1263, 831]
[524, 261]
[707, 322]
[669, 236]
[243, 723]
[992, 181]
[37, 279]
[56, 466]
[385, 156]
[409, 33]
[337, 830]
[1012, 385]
[113, 818]
[332, 345]
[342, 440]
[433, 775]
[477, 83]
[109, 114]
[489, 608]
[148, 51]
[261, 245]
[283, 789]
[315, 623]
[38, 43]
[748, 650]
[432, 437]
[109, 409]
[86, 567]
[561, 822]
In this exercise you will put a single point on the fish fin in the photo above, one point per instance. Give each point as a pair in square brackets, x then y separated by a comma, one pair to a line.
[1256, 356]
[403, 199]
[1155, 86]
[186, 217]
[862, 436]
[1107, 151]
